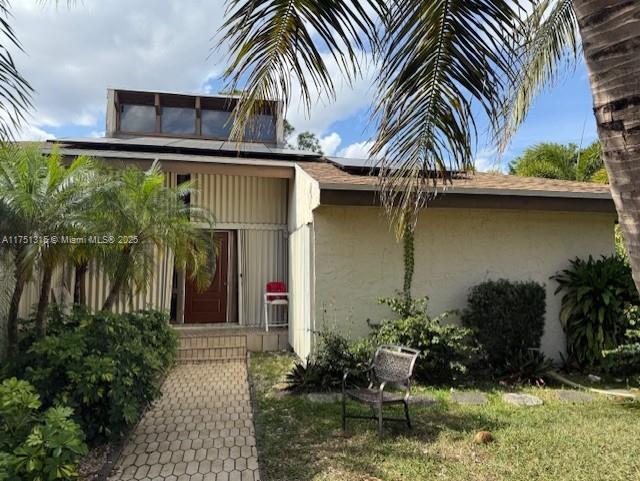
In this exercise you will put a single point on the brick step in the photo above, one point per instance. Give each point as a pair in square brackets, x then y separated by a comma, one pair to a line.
[209, 342]
[211, 354]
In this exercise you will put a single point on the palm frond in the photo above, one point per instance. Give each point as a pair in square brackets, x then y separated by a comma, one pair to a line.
[274, 42]
[550, 46]
[442, 58]
[15, 90]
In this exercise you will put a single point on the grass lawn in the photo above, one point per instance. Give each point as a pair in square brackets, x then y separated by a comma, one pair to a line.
[301, 440]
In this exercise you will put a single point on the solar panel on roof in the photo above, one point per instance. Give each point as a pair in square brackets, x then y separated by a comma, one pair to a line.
[350, 162]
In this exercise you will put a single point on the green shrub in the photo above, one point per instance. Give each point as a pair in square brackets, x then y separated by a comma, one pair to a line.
[624, 360]
[508, 319]
[107, 367]
[323, 371]
[447, 352]
[36, 446]
[595, 296]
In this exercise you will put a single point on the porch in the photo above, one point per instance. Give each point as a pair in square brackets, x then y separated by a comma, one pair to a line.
[207, 342]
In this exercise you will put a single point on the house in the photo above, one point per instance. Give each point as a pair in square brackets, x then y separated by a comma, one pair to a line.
[315, 223]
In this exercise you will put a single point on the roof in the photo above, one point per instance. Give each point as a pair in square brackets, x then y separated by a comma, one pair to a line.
[174, 145]
[332, 177]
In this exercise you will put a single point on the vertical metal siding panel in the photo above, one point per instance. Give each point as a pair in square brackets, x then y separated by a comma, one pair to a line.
[264, 259]
[242, 199]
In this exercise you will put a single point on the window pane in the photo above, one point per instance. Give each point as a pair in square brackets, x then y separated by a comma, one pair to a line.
[215, 123]
[138, 118]
[263, 129]
[178, 120]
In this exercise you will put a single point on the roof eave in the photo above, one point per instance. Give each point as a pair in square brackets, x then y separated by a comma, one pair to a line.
[481, 191]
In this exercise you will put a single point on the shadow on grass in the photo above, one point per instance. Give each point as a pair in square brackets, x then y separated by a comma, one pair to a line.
[303, 441]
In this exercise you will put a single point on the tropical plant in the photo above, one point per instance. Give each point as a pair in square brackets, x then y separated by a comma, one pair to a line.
[333, 355]
[16, 90]
[625, 359]
[595, 296]
[437, 61]
[36, 446]
[447, 352]
[41, 200]
[557, 161]
[107, 367]
[144, 216]
[508, 319]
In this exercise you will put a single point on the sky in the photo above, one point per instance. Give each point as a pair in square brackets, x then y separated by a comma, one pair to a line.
[71, 56]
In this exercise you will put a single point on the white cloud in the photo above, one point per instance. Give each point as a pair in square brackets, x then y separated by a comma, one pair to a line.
[349, 100]
[74, 54]
[329, 143]
[31, 132]
[488, 159]
[357, 150]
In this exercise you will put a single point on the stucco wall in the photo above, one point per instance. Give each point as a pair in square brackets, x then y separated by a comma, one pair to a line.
[304, 195]
[358, 260]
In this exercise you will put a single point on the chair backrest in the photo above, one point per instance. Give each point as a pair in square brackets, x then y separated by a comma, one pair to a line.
[394, 363]
[273, 288]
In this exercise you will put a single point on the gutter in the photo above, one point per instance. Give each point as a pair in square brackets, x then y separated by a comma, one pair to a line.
[481, 191]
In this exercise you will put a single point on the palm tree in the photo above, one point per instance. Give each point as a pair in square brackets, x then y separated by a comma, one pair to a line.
[558, 161]
[40, 198]
[15, 90]
[153, 217]
[440, 63]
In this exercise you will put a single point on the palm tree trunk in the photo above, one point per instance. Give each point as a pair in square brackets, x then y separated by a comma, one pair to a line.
[12, 318]
[79, 293]
[116, 287]
[611, 42]
[43, 302]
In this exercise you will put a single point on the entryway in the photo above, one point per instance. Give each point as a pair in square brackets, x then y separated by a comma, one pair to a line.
[210, 305]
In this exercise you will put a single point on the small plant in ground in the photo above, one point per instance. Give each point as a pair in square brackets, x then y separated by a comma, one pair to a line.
[36, 446]
[595, 296]
[323, 371]
[527, 367]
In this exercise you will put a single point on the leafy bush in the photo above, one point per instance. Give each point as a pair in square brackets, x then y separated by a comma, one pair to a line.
[446, 351]
[625, 359]
[323, 371]
[527, 367]
[595, 296]
[33, 445]
[508, 319]
[108, 367]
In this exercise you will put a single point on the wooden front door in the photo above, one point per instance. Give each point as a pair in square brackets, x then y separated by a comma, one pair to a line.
[210, 305]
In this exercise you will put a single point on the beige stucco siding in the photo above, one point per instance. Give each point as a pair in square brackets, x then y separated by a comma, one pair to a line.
[304, 197]
[357, 258]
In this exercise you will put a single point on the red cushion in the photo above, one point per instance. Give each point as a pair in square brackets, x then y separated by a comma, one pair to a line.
[276, 286]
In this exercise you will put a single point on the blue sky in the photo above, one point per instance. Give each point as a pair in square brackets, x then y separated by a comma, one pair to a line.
[74, 55]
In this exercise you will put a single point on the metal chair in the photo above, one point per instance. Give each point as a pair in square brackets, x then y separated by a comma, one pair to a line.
[390, 366]
[276, 295]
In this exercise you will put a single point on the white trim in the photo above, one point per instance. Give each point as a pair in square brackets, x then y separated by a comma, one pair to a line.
[207, 159]
[241, 226]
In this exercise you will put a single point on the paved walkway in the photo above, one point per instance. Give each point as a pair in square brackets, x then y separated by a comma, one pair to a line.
[201, 429]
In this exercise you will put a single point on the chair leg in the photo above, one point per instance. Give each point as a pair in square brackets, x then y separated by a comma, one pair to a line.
[266, 317]
[380, 419]
[406, 414]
